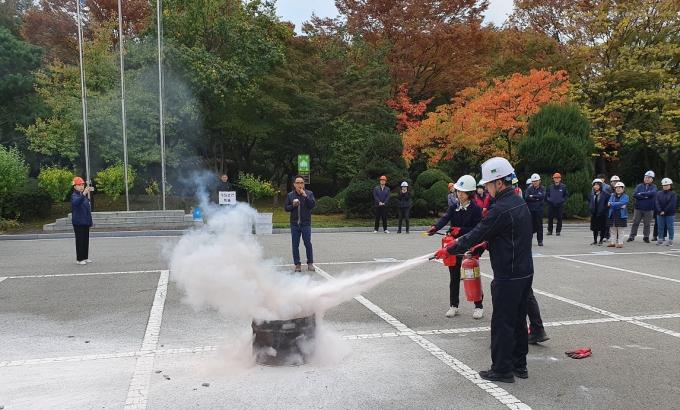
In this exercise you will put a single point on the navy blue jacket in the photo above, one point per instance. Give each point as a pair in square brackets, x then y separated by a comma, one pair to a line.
[404, 199]
[666, 202]
[81, 213]
[507, 229]
[601, 205]
[300, 215]
[535, 203]
[463, 219]
[557, 195]
[644, 196]
[381, 195]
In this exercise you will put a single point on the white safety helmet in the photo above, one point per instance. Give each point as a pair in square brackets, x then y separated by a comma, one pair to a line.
[620, 184]
[529, 181]
[535, 177]
[666, 181]
[614, 178]
[404, 184]
[596, 181]
[466, 183]
[496, 168]
[649, 174]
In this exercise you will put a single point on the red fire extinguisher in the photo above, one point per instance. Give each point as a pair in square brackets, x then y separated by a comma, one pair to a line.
[472, 280]
[447, 241]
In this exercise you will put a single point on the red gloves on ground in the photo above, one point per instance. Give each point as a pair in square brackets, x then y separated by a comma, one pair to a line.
[432, 230]
[441, 254]
[579, 353]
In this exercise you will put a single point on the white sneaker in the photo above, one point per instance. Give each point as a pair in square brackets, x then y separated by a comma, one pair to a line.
[386, 231]
[375, 231]
[88, 261]
[670, 243]
[81, 263]
[478, 313]
[453, 311]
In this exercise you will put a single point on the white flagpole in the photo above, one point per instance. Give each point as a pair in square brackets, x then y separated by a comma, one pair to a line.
[83, 97]
[159, 16]
[122, 102]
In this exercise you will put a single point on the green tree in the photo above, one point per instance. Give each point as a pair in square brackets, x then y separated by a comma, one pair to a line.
[111, 180]
[56, 181]
[14, 171]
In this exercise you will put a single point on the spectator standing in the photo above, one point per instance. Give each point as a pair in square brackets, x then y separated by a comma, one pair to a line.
[644, 195]
[404, 206]
[666, 203]
[483, 199]
[81, 218]
[597, 205]
[617, 217]
[223, 186]
[381, 197]
[452, 199]
[556, 196]
[300, 203]
[534, 197]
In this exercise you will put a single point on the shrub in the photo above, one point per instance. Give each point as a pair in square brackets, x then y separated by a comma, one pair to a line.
[7, 224]
[575, 206]
[27, 202]
[111, 181]
[340, 197]
[436, 197]
[56, 181]
[419, 208]
[326, 206]
[321, 187]
[13, 172]
[254, 186]
[359, 199]
[428, 178]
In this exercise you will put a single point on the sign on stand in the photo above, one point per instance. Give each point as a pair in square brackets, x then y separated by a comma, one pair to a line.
[227, 198]
[303, 167]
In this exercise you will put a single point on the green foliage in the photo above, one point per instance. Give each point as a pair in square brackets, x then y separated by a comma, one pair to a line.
[254, 186]
[431, 176]
[27, 202]
[575, 206]
[7, 224]
[340, 197]
[327, 206]
[13, 172]
[558, 139]
[56, 181]
[359, 201]
[419, 208]
[111, 181]
[436, 197]
[579, 185]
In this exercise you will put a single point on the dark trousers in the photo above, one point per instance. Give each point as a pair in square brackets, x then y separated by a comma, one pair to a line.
[454, 286]
[403, 216]
[537, 224]
[82, 242]
[555, 212]
[509, 338]
[381, 212]
[535, 321]
[306, 232]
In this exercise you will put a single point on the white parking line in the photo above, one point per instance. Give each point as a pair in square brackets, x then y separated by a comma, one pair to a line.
[619, 269]
[62, 275]
[461, 368]
[2, 278]
[138, 392]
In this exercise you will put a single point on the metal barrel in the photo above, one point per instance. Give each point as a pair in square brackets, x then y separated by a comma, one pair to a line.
[284, 342]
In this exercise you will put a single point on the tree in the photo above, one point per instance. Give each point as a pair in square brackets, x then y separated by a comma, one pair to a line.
[485, 120]
[409, 114]
[14, 171]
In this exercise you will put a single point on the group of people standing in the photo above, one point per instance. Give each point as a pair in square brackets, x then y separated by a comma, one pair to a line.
[555, 195]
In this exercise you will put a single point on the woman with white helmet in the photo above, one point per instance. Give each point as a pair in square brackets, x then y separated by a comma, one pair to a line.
[617, 217]
[534, 197]
[463, 216]
[404, 205]
[666, 202]
[597, 205]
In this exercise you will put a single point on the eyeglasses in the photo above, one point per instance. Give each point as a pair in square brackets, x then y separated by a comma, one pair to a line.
[298, 183]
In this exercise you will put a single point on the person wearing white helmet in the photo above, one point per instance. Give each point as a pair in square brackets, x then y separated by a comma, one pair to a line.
[644, 195]
[534, 197]
[463, 217]
[666, 202]
[506, 231]
[617, 217]
[597, 205]
[404, 206]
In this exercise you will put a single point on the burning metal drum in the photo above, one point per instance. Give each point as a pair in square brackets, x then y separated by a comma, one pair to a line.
[284, 342]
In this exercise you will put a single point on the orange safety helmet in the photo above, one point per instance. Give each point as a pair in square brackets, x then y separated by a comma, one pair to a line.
[383, 178]
[450, 184]
[557, 175]
[78, 181]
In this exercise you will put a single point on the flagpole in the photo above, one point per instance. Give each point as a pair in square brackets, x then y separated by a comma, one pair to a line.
[83, 97]
[159, 15]
[122, 102]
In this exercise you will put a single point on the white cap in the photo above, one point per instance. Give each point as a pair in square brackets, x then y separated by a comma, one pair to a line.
[535, 177]
[496, 168]
[615, 178]
[466, 183]
[620, 184]
[596, 181]
[666, 181]
[649, 174]
[403, 184]
[528, 181]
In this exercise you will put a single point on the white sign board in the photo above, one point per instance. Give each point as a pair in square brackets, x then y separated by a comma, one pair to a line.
[227, 198]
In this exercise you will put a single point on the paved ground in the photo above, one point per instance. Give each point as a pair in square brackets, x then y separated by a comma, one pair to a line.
[115, 334]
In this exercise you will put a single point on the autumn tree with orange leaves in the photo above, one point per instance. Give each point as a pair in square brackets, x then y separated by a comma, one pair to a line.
[486, 120]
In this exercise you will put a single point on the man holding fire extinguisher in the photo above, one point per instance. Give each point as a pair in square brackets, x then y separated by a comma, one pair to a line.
[463, 215]
[507, 232]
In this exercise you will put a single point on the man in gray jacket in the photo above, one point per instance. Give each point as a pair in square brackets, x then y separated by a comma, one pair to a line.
[381, 197]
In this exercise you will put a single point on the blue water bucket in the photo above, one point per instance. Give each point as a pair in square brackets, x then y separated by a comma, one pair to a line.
[198, 214]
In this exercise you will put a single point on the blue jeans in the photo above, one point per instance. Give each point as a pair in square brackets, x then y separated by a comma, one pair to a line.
[666, 222]
[306, 232]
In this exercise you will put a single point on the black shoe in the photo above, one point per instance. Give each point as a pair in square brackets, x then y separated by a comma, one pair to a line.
[540, 244]
[645, 240]
[630, 239]
[655, 239]
[558, 234]
[497, 377]
[521, 372]
[549, 233]
[539, 338]
[399, 231]
[599, 243]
